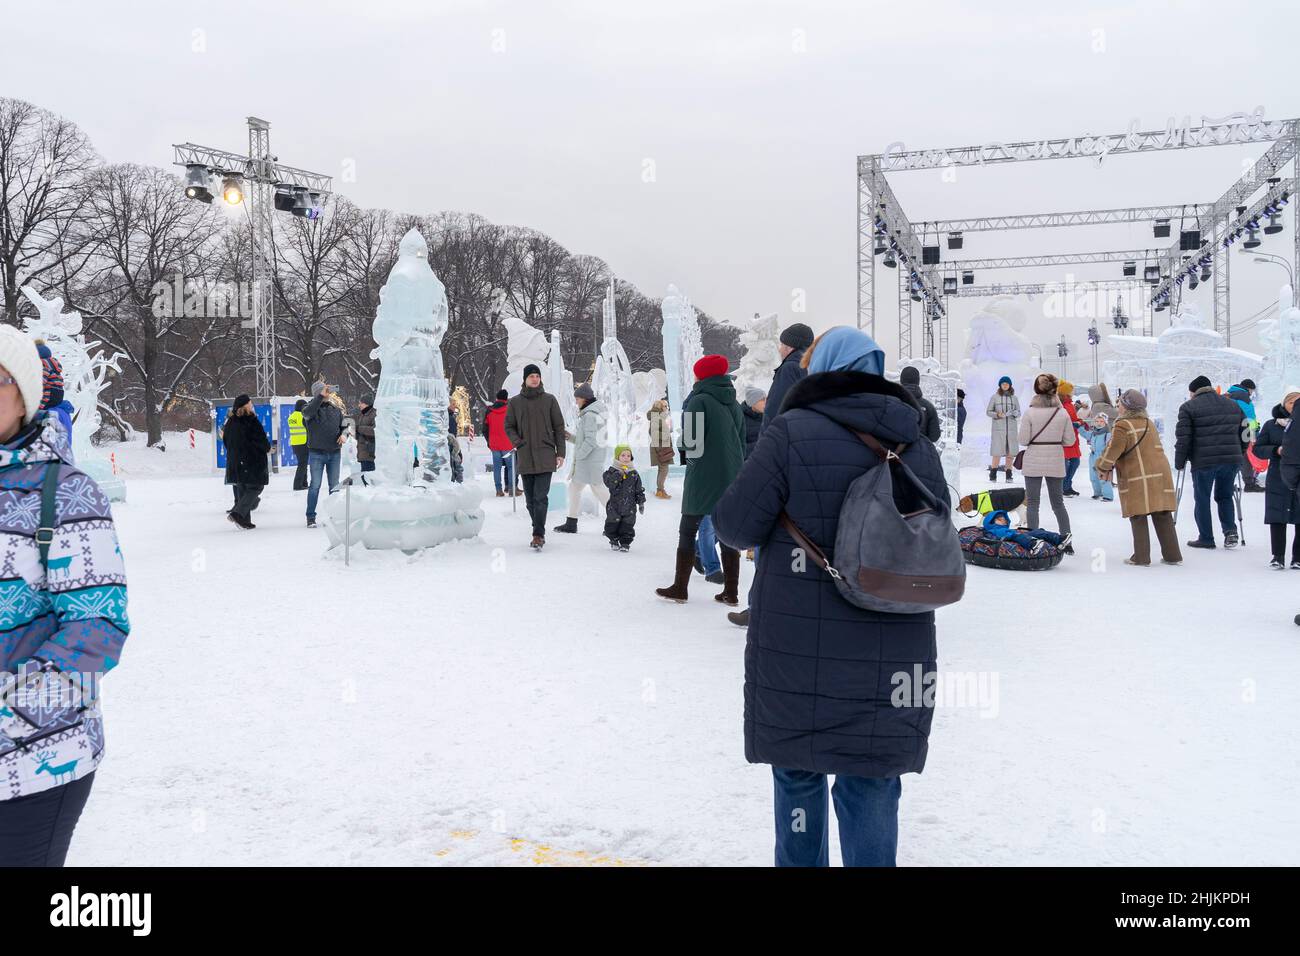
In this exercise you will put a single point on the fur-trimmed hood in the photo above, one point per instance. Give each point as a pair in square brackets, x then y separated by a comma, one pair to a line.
[860, 401]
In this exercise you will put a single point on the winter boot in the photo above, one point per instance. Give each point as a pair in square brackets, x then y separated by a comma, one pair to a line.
[681, 575]
[500, 493]
[739, 618]
[715, 578]
[613, 544]
[993, 474]
[730, 577]
[537, 542]
[570, 526]
[1230, 540]
[1008, 474]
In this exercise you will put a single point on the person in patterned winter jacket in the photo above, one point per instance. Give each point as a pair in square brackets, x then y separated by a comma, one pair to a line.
[62, 621]
[626, 498]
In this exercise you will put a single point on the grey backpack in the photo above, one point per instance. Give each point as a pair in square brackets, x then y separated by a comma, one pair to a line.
[886, 560]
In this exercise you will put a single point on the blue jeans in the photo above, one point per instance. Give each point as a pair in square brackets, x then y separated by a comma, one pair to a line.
[866, 808]
[706, 546]
[318, 461]
[1217, 480]
[1071, 466]
[1027, 539]
[503, 460]
[1098, 445]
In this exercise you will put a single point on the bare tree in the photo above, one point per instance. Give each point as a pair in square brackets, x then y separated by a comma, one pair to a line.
[44, 164]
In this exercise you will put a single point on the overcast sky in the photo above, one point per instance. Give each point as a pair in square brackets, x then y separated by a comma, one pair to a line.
[709, 144]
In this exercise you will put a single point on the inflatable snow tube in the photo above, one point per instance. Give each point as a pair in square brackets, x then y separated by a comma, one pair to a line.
[986, 551]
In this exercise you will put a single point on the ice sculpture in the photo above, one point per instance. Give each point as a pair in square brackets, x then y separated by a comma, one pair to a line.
[526, 346]
[414, 503]
[1280, 339]
[612, 380]
[559, 382]
[758, 364]
[1163, 366]
[650, 387]
[682, 349]
[995, 346]
[84, 377]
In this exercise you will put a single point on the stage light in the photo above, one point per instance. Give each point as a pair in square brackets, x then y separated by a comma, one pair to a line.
[1274, 224]
[968, 278]
[1161, 229]
[1151, 274]
[880, 246]
[889, 262]
[1130, 268]
[284, 198]
[1160, 305]
[954, 240]
[1206, 272]
[949, 285]
[1189, 240]
[197, 178]
[230, 190]
[1252, 239]
[929, 255]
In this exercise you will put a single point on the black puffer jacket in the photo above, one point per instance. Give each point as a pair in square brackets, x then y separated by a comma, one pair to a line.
[1209, 431]
[246, 449]
[753, 425]
[1281, 504]
[787, 373]
[820, 672]
[626, 491]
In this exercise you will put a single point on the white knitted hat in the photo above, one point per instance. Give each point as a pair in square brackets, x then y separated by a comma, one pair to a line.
[18, 356]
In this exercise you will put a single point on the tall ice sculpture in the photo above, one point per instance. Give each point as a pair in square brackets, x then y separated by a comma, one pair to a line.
[414, 503]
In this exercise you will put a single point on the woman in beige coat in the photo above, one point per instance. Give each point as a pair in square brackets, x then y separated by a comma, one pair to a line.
[1045, 432]
[1146, 484]
[661, 443]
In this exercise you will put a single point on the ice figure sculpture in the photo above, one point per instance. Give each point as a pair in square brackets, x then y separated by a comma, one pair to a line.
[995, 346]
[84, 377]
[1280, 339]
[682, 349]
[526, 346]
[414, 503]
[558, 380]
[758, 364]
[1163, 366]
[612, 380]
[650, 387]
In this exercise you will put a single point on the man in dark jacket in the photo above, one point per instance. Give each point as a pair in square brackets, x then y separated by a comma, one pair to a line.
[365, 425]
[713, 443]
[910, 379]
[1281, 502]
[961, 413]
[1208, 438]
[794, 340]
[823, 676]
[247, 468]
[535, 426]
[326, 433]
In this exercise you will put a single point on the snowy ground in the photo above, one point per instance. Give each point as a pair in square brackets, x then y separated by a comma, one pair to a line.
[482, 704]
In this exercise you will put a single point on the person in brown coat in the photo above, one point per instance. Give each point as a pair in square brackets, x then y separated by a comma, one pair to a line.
[1046, 430]
[661, 443]
[535, 426]
[1146, 483]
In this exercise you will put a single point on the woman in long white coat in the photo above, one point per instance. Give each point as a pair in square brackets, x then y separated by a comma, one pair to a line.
[1004, 409]
[590, 456]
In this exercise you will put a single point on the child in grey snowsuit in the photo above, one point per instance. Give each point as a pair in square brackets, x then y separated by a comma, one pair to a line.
[626, 498]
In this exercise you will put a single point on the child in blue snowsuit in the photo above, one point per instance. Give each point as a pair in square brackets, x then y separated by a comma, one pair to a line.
[998, 524]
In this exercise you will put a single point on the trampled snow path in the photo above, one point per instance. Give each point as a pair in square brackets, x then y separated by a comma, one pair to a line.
[481, 704]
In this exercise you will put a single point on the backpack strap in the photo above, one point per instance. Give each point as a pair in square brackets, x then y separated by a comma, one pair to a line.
[45, 533]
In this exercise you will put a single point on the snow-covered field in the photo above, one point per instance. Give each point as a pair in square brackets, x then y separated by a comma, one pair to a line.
[483, 704]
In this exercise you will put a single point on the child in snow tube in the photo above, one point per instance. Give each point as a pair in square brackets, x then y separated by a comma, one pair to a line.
[996, 544]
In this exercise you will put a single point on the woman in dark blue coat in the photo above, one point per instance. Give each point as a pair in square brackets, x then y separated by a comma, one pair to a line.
[1281, 504]
[830, 688]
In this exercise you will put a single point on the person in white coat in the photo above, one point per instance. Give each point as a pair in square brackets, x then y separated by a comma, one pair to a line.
[1046, 430]
[590, 456]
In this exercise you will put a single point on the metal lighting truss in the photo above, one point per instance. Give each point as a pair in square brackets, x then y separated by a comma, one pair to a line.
[1043, 288]
[262, 173]
[1216, 221]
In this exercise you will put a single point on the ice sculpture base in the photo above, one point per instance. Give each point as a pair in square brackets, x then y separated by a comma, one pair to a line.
[102, 472]
[405, 517]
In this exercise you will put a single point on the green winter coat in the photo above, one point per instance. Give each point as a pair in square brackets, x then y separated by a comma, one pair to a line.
[535, 426]
[713, 441]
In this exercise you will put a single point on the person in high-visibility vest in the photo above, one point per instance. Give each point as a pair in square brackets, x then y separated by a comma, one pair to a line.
[298, 444]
